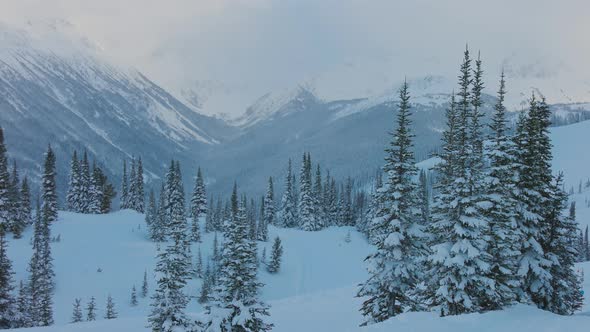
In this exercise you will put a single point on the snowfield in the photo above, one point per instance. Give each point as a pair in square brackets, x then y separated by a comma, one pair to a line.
[314, 290]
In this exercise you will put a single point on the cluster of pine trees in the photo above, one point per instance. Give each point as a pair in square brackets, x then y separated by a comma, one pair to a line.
[230, 285]
[495, 233]
[15, 199]
[159, 213]
[132, 192]
[318, 201]
[32, 305]
[77, 316]
[89, 190]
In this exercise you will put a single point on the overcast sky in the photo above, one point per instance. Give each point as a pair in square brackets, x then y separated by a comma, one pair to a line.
[241, 49]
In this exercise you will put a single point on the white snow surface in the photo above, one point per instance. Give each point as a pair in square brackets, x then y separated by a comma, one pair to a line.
[314, 291]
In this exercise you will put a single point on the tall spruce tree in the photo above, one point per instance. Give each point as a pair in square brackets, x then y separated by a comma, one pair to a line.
[459, 260]
[85, 178]
[505, 237]
[74, 185]
[4, 187]
[77, 311]
[268, 216]
[307, 216]
[274, 265]
[394, 269]
[173, 266]
[91, 310]
[124, 199]
[235, 305]
[567, 290]
[7, 300]
[139, 195]
[287, 215]
[533, 155]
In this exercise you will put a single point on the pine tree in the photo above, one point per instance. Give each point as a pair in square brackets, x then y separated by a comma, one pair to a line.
[587, 244]
[144, 285]
[74, 185]
[77, 311]
[18, 223]
[132, 195]
[566, 297]
[505, 238]
[274, 265]
[288, 208]
[173, 266]
[124, 199]
[133, 300]
[268, 214]
[235, 306]
[23, 317]
[110, 312]
[139, 195]
[204, 294]
[25, 204]
[4, 188]
[198, 208]
[252, 228]
[151, 217]
[307, 218]
[160, 227]
[91, 310]
[41, 267]
[84, 184]
[533, 153]
[394, 269]
[199, 198]
[460, 263]
[318, 194]
[7, 301]
[95, 193]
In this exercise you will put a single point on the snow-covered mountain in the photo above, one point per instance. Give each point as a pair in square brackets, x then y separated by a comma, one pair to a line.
[57, 87]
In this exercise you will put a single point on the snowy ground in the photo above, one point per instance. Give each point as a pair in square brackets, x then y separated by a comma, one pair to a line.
[313, 292]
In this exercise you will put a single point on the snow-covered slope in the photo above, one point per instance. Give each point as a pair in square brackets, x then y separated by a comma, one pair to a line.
[314, 291]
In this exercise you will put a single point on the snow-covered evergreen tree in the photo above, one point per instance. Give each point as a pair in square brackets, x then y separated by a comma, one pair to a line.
[287, 215]
[395, 267]
[18, 222]
[4, 187]
[235, 305]
[139, 194]
[74, 185]
[459, 260]
[41, 265]
[274, 265]
[533, 154]
[505, 238]
[25, 203]
[91, 310]
[95, 191]
[144, 285]
[133, 299]
[424, 197]
[7, 301]
[22, 317]
[124, 199]
[110, 312]
[151, 218]
[77, 311]
[268, 213]
[567, 291]
[173, 266]
[306, 214]
[199, 197]
[85, 178]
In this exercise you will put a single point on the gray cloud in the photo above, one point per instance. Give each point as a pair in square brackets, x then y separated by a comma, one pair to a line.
[345, 48]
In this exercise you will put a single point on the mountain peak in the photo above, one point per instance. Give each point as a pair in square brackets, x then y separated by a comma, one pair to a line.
[279, 103]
